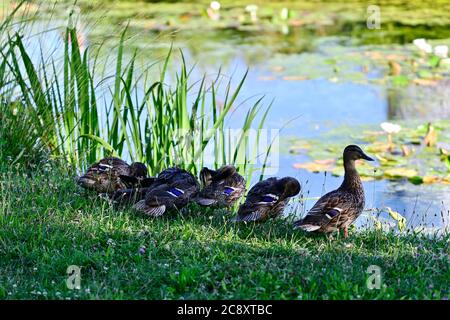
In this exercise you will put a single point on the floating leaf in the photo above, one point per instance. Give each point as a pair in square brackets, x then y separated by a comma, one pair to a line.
[425, 82]
[267, 78]
[295, 78]
[338, 171]
[425, 74]
[400, 173]
[400, 80]
[325, 161]
[313, 166]
[300, 146]
[430, 179]
[416, 180]
[434, 61]
[378, 146]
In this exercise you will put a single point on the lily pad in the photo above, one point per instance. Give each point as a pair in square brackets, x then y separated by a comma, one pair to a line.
[315, 166]
[397, 173]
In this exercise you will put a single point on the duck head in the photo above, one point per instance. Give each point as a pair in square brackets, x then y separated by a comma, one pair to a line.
[138, 170]
[289, 186]
[353, 152]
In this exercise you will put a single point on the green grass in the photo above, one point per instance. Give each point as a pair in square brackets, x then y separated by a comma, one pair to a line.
[47, 224]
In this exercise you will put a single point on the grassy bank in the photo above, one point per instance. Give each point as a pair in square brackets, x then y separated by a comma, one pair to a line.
[47, 224]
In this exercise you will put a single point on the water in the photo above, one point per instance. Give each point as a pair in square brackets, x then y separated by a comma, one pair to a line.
[318, 104]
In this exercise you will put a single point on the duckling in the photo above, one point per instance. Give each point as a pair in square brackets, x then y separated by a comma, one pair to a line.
[338, 209]
[222, 187]
[172, 190]
[267, 199]
[111, 174]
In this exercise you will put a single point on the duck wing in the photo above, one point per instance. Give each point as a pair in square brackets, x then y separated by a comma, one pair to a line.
[166, 196]
[129, 196]
[264, 193]
[114, 166]
[329, 209]
[223, 188]
[261, 200]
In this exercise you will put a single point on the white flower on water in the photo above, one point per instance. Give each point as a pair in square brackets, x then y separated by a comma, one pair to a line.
[213, 10]
[284, 14]
[390, 127]
[423, 45]
[215, 5]
[441, 51]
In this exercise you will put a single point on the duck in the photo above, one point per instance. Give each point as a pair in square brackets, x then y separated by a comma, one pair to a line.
[111, 174]
[172, 190]
[267, 199]
[339, 208]
[222, 187]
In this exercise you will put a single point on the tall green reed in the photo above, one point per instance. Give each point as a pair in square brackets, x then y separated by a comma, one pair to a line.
[155, 122]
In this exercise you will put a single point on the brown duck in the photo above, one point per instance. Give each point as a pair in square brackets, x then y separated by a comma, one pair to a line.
[267, 199]
[171, 191]
[111, 174]
[338, 209]
[222, 187]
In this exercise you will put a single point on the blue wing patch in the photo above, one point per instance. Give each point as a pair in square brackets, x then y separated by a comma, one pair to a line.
[175, 192]
[269, 198]
[228, 190]
[333, 213]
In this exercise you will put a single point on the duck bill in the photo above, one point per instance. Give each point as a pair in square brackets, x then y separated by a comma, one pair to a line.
[366, 157]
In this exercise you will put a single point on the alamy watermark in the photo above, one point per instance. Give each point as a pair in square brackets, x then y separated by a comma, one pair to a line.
[73, 280]
[373, 17]
[374, 279]
[256, 147]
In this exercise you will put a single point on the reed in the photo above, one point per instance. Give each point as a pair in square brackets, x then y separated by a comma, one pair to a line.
[156, 122]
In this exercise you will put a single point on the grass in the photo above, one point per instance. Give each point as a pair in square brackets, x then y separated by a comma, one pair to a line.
[47, 224]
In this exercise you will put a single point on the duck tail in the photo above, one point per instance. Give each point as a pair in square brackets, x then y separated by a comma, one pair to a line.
[153, 211]
[254, 216]
[300, 224]
[205, 201]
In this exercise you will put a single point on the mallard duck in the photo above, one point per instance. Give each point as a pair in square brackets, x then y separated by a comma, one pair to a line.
[338, 209]
[133, 195]
[172, 190]
[222, 187]
[111, 174]
[267, 199]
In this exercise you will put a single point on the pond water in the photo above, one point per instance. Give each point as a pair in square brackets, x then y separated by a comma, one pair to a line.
[310, 98]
